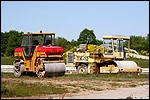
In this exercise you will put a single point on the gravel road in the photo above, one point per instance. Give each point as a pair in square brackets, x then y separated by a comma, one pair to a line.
[141, 92]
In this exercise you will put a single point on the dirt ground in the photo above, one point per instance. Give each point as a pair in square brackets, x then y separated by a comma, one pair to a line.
[141, 91]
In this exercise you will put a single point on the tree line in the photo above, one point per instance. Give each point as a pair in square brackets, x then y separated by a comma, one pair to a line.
[12, 39]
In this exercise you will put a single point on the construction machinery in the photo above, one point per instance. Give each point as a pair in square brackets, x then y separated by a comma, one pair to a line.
[38, 54]
[111, 59]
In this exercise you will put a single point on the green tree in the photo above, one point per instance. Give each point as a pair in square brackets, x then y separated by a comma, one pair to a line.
[65, 44]
[99, 42]
[87, 37]
[139, 43]
[4, 42]
[73, 43]
[147, 42]
[14, 41]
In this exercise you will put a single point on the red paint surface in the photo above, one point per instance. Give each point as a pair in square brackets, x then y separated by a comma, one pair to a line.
[50, 49]
[46, 49]
[19, 49]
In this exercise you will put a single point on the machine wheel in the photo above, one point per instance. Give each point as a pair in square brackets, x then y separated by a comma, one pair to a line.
[82, 69]
[40, 73]
[18, 69]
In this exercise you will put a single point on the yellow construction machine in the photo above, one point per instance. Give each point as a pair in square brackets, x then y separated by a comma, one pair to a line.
[38, 54]
[112, 60]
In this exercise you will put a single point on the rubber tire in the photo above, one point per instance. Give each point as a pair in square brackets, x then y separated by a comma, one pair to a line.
[18, 74]
[83, 68]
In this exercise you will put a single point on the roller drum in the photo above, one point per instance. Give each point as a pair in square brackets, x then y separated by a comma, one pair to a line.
[126, 64]
[54, 69]
[19, 70]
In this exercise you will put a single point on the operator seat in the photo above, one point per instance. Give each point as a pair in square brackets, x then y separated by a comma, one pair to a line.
[35, 42]
[48, 42]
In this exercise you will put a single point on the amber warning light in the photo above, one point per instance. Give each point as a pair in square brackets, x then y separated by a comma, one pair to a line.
[40, 32]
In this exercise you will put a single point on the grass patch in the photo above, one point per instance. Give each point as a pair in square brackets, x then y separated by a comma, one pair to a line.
[107, 77]
[12, 86]
[133, 85]
[7, 60]
[79, 77]
[90, 88]
[86, 87]
[7, 75]
[97, 89]
[140, 62]
[75, 91]
[74, 85]
[114, 84]
[21, 89]
[24, 76]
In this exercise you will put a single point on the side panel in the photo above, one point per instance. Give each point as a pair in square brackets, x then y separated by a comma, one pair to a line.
[109, 69]
[93, 68]
[119, 55]
[28, 65]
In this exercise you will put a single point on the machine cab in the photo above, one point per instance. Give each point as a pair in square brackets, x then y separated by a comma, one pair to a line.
[32, 39]
[114, 46]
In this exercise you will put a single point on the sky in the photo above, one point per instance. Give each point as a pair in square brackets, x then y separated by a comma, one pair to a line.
[68, 18]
